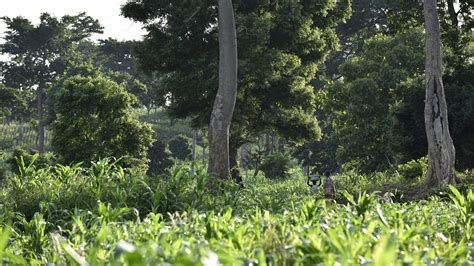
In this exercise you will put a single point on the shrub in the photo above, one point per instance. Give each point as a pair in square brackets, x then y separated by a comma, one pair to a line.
[159, 157]
[93, 120]
[180, 147]
[277, 166]
[413, 169]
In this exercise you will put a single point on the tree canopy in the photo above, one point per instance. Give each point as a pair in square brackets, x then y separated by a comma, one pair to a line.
[38, 54]
[281, 45]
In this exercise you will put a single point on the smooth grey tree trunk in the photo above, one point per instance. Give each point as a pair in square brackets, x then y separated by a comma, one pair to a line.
[224, 103]
[441, 153]
[40, 119]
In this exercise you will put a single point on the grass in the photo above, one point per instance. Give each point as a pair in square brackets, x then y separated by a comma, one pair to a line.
[109, 215]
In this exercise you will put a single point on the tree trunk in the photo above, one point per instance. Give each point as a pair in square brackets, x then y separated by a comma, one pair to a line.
[268, 145]
[281, 145]
[203, 158]
[452, 13]
[193, 151]
[441, 153]
[234, 164]
[244, 156]
[39, 93]
[224, 103]
[22, 130]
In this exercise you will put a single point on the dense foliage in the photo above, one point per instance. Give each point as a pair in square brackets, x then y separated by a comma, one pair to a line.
[373, 117]
[159, 157]
[114, 58]
[93, 120]
[107, 214]
[4, 168]
[277, 165]
[366, 106]
[180, 147]
[280, 46]
[28, 157]
[13, 104]
[39, 54]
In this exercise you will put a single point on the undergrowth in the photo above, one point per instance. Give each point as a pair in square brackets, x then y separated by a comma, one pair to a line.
[106, 214]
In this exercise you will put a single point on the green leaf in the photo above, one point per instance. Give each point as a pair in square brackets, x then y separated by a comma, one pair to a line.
[380, 214]
[385, 251]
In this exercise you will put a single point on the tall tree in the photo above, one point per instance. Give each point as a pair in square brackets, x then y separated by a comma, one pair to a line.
[280, 46]
[221, 116]
[39, 53]
[441, 153]
[369, 109]
[391, 22]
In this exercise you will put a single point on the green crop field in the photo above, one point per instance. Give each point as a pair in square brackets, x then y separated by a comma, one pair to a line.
[109, 215]
[10, 136]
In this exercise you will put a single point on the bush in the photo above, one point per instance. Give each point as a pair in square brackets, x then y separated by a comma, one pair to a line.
[159, 157]
[180, 147]
[413, 169]
[93, 120]
[277, 166]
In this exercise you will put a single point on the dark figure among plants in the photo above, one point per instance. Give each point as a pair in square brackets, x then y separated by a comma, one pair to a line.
[328, 187]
